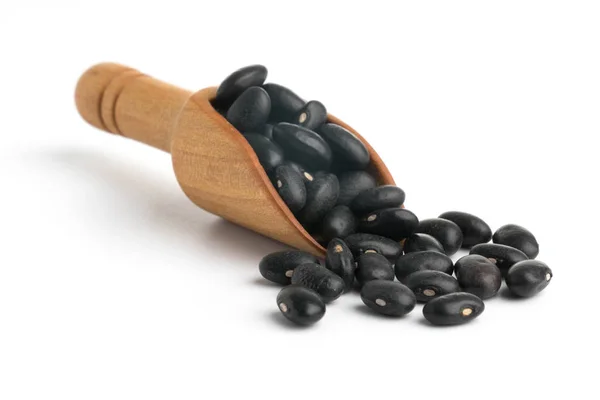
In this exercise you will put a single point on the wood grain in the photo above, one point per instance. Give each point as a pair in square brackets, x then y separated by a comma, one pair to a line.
[214, 165]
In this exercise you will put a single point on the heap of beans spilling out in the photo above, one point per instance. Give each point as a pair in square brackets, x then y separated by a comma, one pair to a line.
[320, 171]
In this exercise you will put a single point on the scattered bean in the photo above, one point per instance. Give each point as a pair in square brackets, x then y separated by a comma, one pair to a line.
[340, 261]
[453, 309]
[420, 261]
[388, 298]
[528, 278]
[518, 237]
[428, 285]
[478, 275]
[422, 242]
[394, 223]
[278, 267]
[503, 256]
[385, 196]
[300, 305]
[360, 243]
[318, 278]
[372, 266]
[445, 231]
[473, 228]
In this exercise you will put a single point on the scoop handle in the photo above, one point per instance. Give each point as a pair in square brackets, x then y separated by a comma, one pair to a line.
[123, 101]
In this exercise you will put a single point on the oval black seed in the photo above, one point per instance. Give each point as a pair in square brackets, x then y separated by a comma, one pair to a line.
[422, 242]
[312, 115]
[236, 83]
[453, 309]
[250, 111]
[503, 256]
[278, 267]
[269, 154]
[352, 183]
[428, 285]
[528, 278]
[318, 278]
[518, 237]
[478, 275]
[348, 150]
[321, 196]
[300, 305]
[385, 196]
[340, 261]
[267, 131]
[290, 186]
[360, 243]
[306, 174]
[473, 228]
[395, 223]
[388, 298]
[338, 223]
[445, 231]
[421, 261]
[373, 266]
[303, 145]
[285, 104]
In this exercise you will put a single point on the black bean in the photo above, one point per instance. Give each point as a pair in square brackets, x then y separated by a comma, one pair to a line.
[428, 285]
[306, 174]
[473, 228]
[421, 261]
[267, 131]
[453, 309]
[352, 183]
[388, 298]
[395, 223]
[528, 278]
[385, 196]
[360, 243]
[518, 237]
[250, 111]
[312, 115]
[349, 152]
[372, 266]
[303, 145]
[318, 278]
[285, 104]
[269, 154]
[503, 256]
[290, 186]
[340, 261]
[300, 305]
[422, 242]
[321, 196]
[236, 83]
[338, 223]
[445, 231]
[278, 267]
[478, 275]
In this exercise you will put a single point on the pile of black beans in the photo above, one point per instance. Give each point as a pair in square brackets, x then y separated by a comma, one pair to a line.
[320, 171]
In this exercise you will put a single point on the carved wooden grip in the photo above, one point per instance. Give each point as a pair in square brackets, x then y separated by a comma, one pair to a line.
[123, 101]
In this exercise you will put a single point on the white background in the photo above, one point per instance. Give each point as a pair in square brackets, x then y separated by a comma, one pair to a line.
[114, 285]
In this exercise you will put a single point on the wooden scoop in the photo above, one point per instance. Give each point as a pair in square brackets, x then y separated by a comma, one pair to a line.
[215, 166]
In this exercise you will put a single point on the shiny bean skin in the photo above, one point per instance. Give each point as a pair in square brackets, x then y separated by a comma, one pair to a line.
[503, 256]
[300, 305]
[380, 197]
[422, 242]
[373, 266]
[236, 83]
[528, 278]
[394, 223]
[318, 278]
[278, 267]
[360, 243]
[306, 174]
[352, 183]
[303, 145]
[290, 186]
[453, 309]
[250, 110]
[269, 154]
[321, 196]
[285, 104]
[340, 222]
[340, 261]
[445, 231]
[420, 261]
[312, 115]
[478, 275]
[428, 285]
[518, 237]
[473, 228]
[388, 298]
[348, 150]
